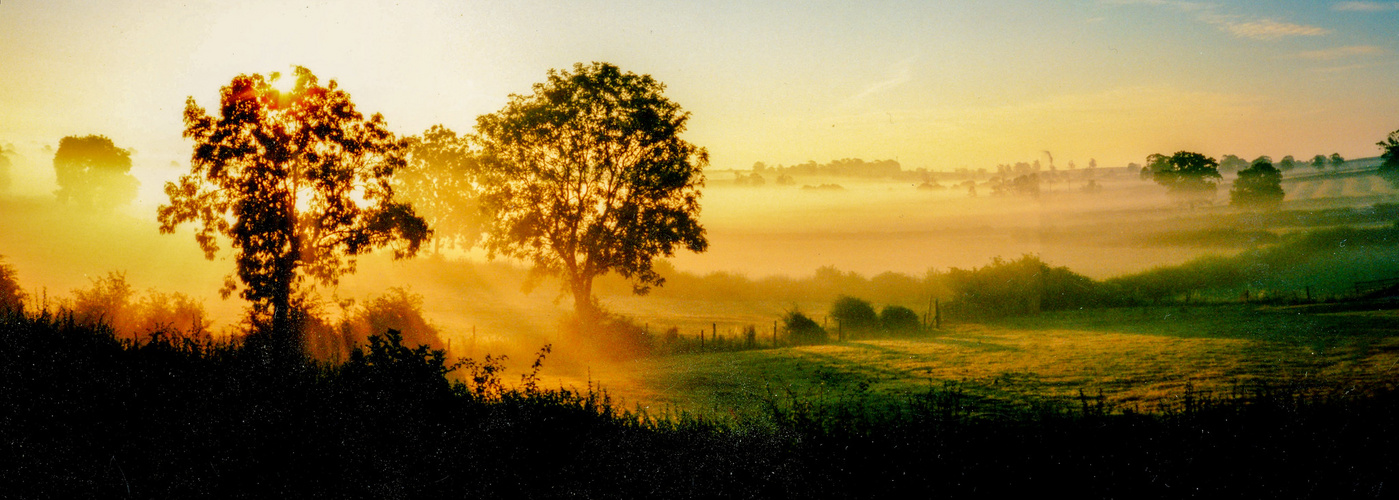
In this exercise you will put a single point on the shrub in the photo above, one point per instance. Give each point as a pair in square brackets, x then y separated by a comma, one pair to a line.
[854, 315]
[899, 319]
[801, 329]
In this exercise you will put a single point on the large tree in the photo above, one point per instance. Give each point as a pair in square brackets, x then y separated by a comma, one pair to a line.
[588, 175]
[1389, 153]
[298, 181]
[1260, 185]
[1190, 177]
[93, 172]
[440, 181]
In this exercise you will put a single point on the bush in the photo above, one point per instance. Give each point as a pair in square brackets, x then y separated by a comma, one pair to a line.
[899, 319]
[854, 315]
[1023, 286]
[801, 329]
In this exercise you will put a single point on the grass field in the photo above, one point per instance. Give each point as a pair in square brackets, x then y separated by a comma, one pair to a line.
[1139, 358]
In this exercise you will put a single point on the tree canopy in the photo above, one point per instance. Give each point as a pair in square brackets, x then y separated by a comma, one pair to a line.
[298, 181]
[588, 175]
[1191, 177]
[1389, 153]
[92, 171]
[440, 181]
[1259, 184]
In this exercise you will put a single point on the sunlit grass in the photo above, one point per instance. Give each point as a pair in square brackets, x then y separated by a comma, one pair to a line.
[1138, 359]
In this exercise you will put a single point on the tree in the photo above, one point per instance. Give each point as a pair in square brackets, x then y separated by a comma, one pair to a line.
[899, 319]
[1259, 184]
[299, 181]
[440, 183]
[11, 293]
[854, 314]
[93, 172]
[1191, 177]
[1337, 160]
[1231, 163]
[588, 175]
[1319, 162]
[1389, 153]
[1287, 163]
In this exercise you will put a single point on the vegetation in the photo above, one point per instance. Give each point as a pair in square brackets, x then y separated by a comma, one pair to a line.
[620, 191]
[1389, 168]
[298, 181]
[801, 329]
[91, 171]
[1191, 177]
[440, 182]
[854, 315]
[1258, 185]
[11, 293]
[89, 416]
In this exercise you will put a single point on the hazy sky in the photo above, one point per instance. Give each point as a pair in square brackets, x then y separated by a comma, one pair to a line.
[936, 84]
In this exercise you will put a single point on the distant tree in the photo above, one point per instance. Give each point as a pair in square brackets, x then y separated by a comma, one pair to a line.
[440, 182]
[898, 319]
[299, 181]
[1231, 164]
[1287, 163]
[1389, 154]
[11, 293]
[1319, 162]
[588, 175]
[6, 164]
[93, 172]
[1191, 177]
[854, 314]
[1259, 184]
[1337, 160]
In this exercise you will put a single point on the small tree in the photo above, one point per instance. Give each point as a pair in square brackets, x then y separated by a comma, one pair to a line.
[1319, 162]
[1231, 163]
[898, 319]
[1287, 163]
[91, 171]
[11, 293]
[299, 181]
[1337, 160]
[802, 329]
[588, 175]
[1190, 177]
[1259, 184]
[854, 315]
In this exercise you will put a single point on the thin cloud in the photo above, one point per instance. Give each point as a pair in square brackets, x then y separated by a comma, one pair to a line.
[1365, 6]
[1341, 52]
[1267, 29]
[1234, 24]
[903, 73]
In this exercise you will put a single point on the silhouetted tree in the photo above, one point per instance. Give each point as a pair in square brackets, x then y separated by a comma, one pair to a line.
[1337, 160]
[1389, 153]
[299, 181]
[440, 182]
[802, 329]
[1319, 162]
[588, 175]
[1191, 177]
[91, 171]
[854, 314]
[1287, 163]
[1259, 184]
[11, 293]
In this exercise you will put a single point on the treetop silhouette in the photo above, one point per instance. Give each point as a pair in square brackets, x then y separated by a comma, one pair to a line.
[1191, 177]
[588, 175]
[91, 171]
[298, 181]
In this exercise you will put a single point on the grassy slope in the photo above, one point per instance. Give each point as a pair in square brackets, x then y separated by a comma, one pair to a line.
[1137, 357]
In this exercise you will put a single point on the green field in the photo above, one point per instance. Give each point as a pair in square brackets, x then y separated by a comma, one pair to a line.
[1139, 358]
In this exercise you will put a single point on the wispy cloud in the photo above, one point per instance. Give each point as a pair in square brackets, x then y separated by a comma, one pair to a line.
[1267, 29]
[900, 74]
[1365, 6]
[1341, 52]
[1238, 25]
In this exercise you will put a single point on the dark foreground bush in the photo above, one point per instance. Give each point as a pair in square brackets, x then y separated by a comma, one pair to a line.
[86, 416]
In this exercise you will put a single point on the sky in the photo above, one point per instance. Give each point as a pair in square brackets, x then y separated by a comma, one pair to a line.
[934, 84]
